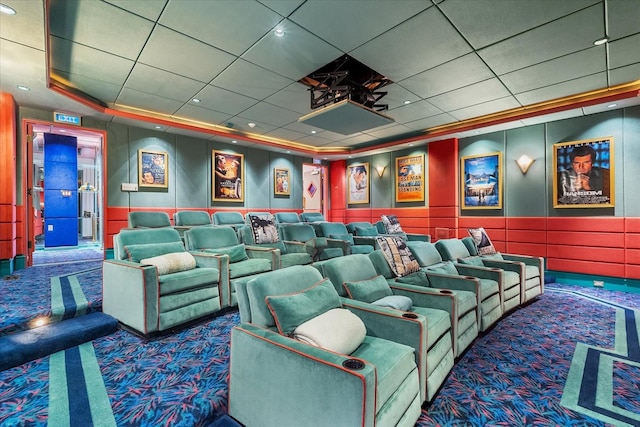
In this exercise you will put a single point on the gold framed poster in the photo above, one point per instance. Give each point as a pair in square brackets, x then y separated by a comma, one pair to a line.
[358, 179]
[410, 178]
[153, 169]
[227, 177]
[481, 181]
[281, 182]
[583, 174]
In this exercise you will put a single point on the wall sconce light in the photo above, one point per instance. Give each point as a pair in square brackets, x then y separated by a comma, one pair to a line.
[380, 170]
[524, 163]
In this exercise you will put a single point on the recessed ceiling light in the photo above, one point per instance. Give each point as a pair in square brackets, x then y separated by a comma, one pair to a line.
[411, 145]
[288, 151]
[196, 100]
[601, 41]
[23, 87]
[234, 141]
[6, 9]
[279, 32]
[313, 131]
[407, 102]
[611, 105]
[252, 125]
[158, 127]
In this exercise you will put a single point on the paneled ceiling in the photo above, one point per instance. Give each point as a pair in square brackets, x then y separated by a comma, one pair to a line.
[457, 66]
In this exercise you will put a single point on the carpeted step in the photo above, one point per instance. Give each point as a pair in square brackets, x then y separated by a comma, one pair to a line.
[25, 346]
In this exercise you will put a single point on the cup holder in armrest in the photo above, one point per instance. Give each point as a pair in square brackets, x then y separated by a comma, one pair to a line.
[353, 364]
[446, 291]
[410, 315]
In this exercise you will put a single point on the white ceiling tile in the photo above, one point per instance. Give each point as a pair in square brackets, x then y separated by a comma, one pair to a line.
[583, 84]
[295, 97]
[579, 64]
[623, 17]
[388, 131]
[142, 100]
[183, 55]
[422, 42]
[236, 25]
[622, 75]
[194, 112]
[248, 79]
[26, 26]
[549, 41]
[396, 96]
[429, 122]
[287, 134]
[489, 21]
[98, 89]
[283, 7]
[162, 83]
[338, 28]
[455, 74]
[490, 107]
[218, 99]
[476, 93]
[268, 113]
[149, 9]
[625, 51]
[295, 55]
[413, 111]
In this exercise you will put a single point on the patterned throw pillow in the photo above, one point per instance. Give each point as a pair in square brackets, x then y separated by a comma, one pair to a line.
[391, 224]
[398, 255]
[264, 228]
[482, 241]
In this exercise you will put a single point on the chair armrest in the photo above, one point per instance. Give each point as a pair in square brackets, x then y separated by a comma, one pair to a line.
[365, 240]
[428, 297]
[221, 262]
[300, 372]
[345, 245]
[496, 274]
[526, 259]
[294, 247]
[453, 282]
[515, 266]
[271, 254]
[130, 293]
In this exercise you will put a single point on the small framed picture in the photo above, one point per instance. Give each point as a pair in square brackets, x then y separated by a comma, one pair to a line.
[583, 174]
[481, 181]
[153, 169]
[358, 179]
[228, 177]
[281, 182]
[410, 178]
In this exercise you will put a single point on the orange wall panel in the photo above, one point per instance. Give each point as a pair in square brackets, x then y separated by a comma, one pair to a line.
[632, 256]
[632, 240]
[586, 253]
[536, 236]
[586, 238]
[632, 271]
[591, 224]
[530, 249]
[632, 225]
[443, 172]
[527, 223]
[586, 267]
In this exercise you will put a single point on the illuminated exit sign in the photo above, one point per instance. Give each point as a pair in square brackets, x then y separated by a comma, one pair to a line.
[69, 119]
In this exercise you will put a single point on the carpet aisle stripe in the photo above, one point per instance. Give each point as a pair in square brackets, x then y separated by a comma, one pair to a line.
[77, 394]
[67, 298]
[82, 305]
[589, 385]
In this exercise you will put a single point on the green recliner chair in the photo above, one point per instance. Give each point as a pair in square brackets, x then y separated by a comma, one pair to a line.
[533, 269]
[148, 219]
[300, 357]
[287, 218]
[154, 284]
[320, 248]
[434, 355]
[312, 217]
[445, 275]
[262, 231]
[390, 225]
[510, 282]
[462, 306]
[244, 261]
[337, 230]
[184, 220]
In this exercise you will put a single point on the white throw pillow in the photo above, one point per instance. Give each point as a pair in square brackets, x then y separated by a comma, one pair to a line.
[171, 263]
[337, 330]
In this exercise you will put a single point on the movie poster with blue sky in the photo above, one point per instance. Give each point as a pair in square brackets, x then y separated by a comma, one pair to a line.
[482, 181]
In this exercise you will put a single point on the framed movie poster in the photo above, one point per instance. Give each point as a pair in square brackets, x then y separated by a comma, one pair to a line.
[281, 185]
[228, 177]
[358, 179]
[583, 174]
[410, 178]
[153, 169]
[481, 181]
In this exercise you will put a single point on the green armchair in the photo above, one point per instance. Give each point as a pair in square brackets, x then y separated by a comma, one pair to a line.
[154, 284]
[261, 231]
[244, 261]
[300, 357]
[508, 277]
[434, 355]
[533, 269]
[337, 230]
[184, 220]
[148, 219]
[320, 248]
[462, 306]
[445, 275]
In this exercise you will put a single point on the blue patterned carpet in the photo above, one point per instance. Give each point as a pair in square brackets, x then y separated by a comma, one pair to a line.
[515, 375]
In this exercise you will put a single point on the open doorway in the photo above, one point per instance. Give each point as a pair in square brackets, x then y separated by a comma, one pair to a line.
[65, 181]
[314, 181]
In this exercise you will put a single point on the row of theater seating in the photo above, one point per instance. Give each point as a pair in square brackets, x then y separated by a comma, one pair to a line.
[451, 292]
[435, 313]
